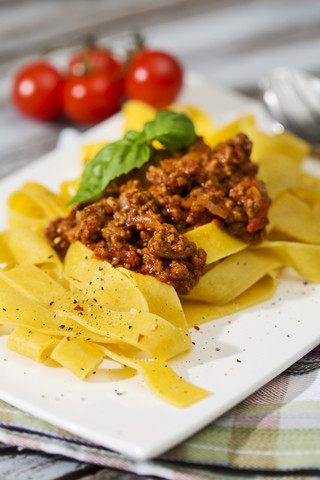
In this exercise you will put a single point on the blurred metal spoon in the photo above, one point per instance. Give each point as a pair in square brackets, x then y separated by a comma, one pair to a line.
[293, 99]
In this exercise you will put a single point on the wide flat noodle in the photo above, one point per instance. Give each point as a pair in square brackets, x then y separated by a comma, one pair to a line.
[304, 258]
[310, 181]
[92, 310]
[100, 280]
[162, 299]
[198, 312]
[263, 144]
[20, 311]
[293, 217]
[227, 279]
[32, 344]
[23, 245]
[161, 379]
[78, 356]
[230, 130]
[279, 173]
[34, 206]
[143, 330]
[215, 242]
[310, 196]
[285, 143]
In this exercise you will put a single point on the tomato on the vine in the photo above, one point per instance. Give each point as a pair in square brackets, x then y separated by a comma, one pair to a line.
[37, 91]
[154, 77]
[93, 97]
[94, 59]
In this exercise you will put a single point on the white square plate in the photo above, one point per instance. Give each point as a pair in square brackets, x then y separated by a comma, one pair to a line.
[266, 339]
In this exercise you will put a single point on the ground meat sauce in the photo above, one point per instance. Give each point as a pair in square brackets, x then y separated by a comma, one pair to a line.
[140, 222]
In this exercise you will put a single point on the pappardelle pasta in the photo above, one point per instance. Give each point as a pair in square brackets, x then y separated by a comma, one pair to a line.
[80, 310]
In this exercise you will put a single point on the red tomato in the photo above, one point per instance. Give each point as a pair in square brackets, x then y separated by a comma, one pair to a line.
[93, 59]
[37, 90]
[154, 77]
[92, 97]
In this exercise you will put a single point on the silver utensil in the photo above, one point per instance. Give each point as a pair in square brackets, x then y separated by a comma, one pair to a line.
[293, 99]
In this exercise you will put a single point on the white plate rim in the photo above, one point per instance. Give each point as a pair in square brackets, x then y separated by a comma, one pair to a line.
[143, 445]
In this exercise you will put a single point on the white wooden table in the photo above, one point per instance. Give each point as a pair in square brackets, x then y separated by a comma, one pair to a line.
[231, 42]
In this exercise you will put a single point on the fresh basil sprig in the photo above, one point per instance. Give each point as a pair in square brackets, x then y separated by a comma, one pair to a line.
[172, 130]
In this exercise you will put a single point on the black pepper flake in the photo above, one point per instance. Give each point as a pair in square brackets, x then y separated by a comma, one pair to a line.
[4, 309]
[193, 343]
[129, 326]
[61, 327]
[239, 361]
[51, 256]
[100, 268]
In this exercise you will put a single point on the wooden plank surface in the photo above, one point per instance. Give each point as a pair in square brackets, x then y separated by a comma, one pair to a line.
[231, 42]
[25, 465]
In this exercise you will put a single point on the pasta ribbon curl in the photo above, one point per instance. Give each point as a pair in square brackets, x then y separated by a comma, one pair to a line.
[82, 311]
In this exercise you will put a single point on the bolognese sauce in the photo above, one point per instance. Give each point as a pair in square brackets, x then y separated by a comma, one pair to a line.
[140, 221]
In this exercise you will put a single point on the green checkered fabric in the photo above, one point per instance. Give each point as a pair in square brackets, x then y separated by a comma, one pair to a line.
[276, 429]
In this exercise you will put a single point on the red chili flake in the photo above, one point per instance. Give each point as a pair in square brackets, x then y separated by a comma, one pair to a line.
[51, 303]
[140, 337]
[78, 307]
[196, 327]
[68, 339]
[237, 151]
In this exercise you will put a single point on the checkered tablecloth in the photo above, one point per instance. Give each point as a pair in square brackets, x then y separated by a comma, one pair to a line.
[277, 429]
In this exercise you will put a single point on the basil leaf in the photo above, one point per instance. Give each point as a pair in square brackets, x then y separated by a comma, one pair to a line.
[173, 130]
[110, 162]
